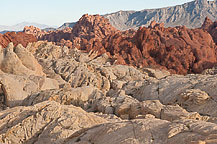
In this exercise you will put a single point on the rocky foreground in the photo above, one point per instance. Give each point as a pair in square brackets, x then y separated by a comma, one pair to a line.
[53, 94]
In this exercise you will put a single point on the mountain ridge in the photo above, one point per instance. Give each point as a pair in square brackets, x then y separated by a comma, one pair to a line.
[67, 24]
[191, 14]
[20, 26]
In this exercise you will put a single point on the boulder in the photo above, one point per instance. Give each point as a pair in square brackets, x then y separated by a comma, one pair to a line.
[19, 61]
[149, 130]
[46, 122]
[16, 88]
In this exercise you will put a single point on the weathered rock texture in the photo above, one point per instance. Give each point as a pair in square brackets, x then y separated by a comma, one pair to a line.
[47, 122]
[16, 38]
[148, 131]
[84, 98]
[210, 27]
[21, 75]
[88, 28]
[37, 32]
[178, 50]
[17, 60]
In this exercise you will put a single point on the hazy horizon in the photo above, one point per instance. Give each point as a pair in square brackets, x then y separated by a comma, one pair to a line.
[55, 12]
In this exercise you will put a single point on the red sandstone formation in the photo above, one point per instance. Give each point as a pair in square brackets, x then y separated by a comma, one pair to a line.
[179, 50]
[210, 27]
[16, 38]
[37, 32]
[95, 26]
[87, 28]
[57, 36]
[64, 42]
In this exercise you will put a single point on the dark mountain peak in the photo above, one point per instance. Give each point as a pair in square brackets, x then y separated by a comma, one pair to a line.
[208, 20]
[190, 14]
[201, 2]
[207, 24]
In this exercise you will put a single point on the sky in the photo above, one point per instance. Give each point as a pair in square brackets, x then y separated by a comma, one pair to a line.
[57, 12]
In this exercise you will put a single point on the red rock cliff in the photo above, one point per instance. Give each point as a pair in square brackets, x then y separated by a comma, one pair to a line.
[179, 50]
[210, 27]
[37, 32]
[16, 38]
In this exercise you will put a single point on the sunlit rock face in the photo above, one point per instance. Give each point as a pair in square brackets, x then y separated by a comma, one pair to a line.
[16, 38]
[63, 95]
[179, 49]
[190, 14]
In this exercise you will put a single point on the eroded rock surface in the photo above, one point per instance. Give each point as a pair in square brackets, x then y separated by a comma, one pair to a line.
[68, 96]
[210, 27]
[21, 75]
[37, 32]
[16, 38]
[147, 131]
[179, 49]
[46, 122]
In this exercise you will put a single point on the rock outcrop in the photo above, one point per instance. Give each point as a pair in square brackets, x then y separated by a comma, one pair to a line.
[37, 32]
[178, 50]
[210, 27]
[17, 60]
[21, 75]
[47, 122]
[92, 26]
[86, 98]
[16, 38]
[89, 28]
[120, 90]
[150, 130]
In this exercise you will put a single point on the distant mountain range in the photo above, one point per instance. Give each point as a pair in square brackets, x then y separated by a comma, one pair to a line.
[3, 32]
[191, 14]
[67, 25]
[20, 26]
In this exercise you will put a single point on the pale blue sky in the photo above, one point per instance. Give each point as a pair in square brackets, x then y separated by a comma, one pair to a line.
[56, 12]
